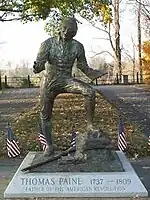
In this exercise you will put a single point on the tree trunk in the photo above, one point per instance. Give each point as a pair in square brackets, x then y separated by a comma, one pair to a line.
[140, 42]
[133, 70]
[117, 38]
[133, 59]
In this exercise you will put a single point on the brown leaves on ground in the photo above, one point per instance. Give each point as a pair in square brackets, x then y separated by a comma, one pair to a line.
[69, 114]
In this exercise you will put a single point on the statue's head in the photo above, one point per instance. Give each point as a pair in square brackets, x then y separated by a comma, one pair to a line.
[68, 28]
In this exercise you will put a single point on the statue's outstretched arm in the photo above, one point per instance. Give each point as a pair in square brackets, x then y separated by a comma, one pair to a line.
[82, 62]
[42, 57]
[83, 65]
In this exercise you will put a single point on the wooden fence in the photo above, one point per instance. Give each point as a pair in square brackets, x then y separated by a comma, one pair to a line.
[29, 81]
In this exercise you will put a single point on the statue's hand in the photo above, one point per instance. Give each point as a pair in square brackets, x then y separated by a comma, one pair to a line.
[38, 67]
[35, 70]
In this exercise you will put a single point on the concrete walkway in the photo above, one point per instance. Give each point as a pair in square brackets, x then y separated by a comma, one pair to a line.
[7, 169]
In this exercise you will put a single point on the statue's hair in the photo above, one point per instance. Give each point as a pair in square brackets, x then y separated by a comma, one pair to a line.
[70, 20]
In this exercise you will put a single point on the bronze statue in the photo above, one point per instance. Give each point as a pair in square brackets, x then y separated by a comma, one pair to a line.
[61, 52]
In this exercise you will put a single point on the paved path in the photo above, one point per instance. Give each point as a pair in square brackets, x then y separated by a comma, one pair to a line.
[132, 101]
[13, 102]
[7, 169]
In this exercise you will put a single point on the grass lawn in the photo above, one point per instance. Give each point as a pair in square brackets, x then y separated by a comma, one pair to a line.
[69, 114]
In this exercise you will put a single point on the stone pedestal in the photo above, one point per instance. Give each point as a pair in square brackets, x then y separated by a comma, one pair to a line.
[120, 184]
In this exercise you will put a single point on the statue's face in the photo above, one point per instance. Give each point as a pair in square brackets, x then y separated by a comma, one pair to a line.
[69, 29]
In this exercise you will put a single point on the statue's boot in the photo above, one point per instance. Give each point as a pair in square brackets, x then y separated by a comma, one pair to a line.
[47, 130]
[49, 150]
[80, 154]
[92, 132]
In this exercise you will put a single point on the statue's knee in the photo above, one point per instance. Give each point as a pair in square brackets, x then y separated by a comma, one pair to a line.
[92, 93]
[44, 116]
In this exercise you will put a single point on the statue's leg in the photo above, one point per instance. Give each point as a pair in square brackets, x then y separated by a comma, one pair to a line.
[90, 108]
[46, 103]
[80, 87]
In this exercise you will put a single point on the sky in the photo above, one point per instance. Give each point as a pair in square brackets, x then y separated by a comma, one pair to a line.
[22, 41]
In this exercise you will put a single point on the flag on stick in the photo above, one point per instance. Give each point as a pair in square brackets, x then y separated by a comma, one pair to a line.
[41, 137]
[149, 140]
[122, 144]
[13, 149]
[73, 139]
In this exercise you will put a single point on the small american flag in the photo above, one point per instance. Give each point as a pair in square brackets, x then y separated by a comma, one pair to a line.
[13, 149]
[73, 139]
[73, 142]
[136, 197]
[149, 140]
[122, 144]
[41, 137]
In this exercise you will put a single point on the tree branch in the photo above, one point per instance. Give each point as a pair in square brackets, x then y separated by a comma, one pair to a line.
[143, 4]
[145, 9]
[11, 19]
[101, 38]
[9, 10]
[109, 35]
[100, 29]
[127, 54]
[3, 15]
[111, 42]
[97, 54]
[147, 14]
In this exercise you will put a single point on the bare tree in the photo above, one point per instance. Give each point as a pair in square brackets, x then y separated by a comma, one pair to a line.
[117, 37]
[132, 57]
[145, 8]
[142, 10]
[140, 41]
[112, 32]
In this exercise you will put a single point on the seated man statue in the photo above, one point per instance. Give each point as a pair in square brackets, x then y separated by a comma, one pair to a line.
[61, 52]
